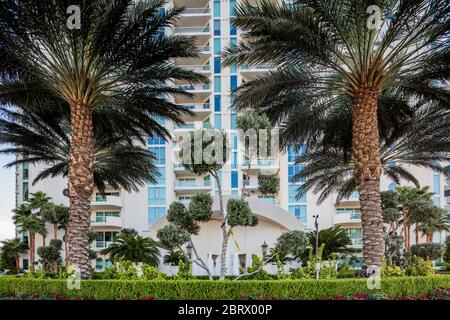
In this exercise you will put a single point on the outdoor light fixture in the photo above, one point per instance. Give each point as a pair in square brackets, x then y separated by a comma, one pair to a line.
[189, 250]
[264, 248]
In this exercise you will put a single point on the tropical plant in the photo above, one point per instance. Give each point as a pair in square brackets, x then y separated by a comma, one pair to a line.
[268, 184]
[10, 253]
[434, 220]
[51, 255]
[121, 58]
[447, 250]
[291, 245]
[334, 239]
[133, 248]
[57, 215]
[26, 221]
[38, 201]
[173, 257]
[329, 55]
[428, 251]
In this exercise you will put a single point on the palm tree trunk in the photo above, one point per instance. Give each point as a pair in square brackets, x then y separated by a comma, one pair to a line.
[429, 238]
[43, 240]
[17, 262]
[366, 156]
[225, 235]
[417, 234]
[55, 231]
[409, 237]
[81, 187]
[405, 235]
[32, 249]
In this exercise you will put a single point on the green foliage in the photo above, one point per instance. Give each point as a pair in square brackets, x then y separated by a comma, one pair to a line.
[447, 250]
[173, 257]
[184, 270]
[268, 184]
[9, 252]
[259, 123]
[200, 207]
[151, 273]
[126, 270]
[291, 245]
[417, 266]
[258, 273]
[335, 240]
[329, 270]
[428, 251]
[345, 271]
[51, 254]
[391, 271]
[172, 236]
[133, 248]
[224, 290]
[308, 271]
[240, 214]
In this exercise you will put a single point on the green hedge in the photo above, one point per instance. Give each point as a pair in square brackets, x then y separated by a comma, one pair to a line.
[226, 290]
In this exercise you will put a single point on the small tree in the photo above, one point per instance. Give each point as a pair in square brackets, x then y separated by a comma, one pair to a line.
[428, 251]
[10, 253]
[447, 250]
[51, 254]
[268, 184]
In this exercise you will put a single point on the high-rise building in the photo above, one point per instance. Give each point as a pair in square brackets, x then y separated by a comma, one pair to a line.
[210, 21]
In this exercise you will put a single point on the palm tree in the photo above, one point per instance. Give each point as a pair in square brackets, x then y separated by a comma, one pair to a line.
[120, 58]
[132, 247]
[26, 221]
[435, 220]
[13, 248]
[329, 52]
[43, 135]
[335, 239]
[56, 215]
[38, 202]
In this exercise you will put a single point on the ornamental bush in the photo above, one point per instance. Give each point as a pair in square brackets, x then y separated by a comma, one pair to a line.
[428, 251]
[268, 184]
[226, 290]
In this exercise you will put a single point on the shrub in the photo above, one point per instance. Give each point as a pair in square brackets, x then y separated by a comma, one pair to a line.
[256, 268]
[184, 270]
[447, 250]
[228, 289]
[151, 273]
[126, 270]
[417, 266]
[268, 184]
[391, 271]
[430, 251]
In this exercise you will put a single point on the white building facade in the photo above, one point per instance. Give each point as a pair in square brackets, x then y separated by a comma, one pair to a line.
[210, 22]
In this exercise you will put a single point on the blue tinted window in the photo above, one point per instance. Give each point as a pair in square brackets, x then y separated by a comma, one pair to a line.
[232, 8]
[217, 122]
[436, 184]
[217, 27]
[216, 64]
[161, 179]
[294, 152]
[292, 192]
[216, 8]
[217, 48]
[217, 102]
[294, 170]
[234, 179]
[156, 140]
[159, 153]
[156, 196]
[233, 29]
[233, 82]
[155, 213]
[234, 160]
[233, 120]
[217, 84]
[298, 211]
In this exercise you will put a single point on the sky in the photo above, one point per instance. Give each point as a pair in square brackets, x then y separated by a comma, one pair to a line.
[7, 186]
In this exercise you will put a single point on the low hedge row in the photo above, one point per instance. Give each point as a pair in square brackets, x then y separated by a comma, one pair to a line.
[224, 290]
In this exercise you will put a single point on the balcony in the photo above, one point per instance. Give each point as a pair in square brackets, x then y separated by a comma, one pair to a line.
[201, 92]
[202, 33]
[106, 222]
[267, 166]
[251, 184]
[194, 16]
[353, 199]
[192, 187]
[106, 202]
[200, 111]
[251, 72]
[100, 245]
[347, 218]
[206, 68]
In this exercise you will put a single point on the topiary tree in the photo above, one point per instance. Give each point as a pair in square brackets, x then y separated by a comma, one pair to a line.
[51, 254]
[240, 214]
[427, 251]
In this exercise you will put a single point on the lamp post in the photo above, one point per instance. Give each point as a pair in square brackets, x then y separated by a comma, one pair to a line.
[316, 263]
[264, 248]
[189, 250]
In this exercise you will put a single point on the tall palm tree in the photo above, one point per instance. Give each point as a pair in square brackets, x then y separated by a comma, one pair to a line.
[336, 240]
[26, 221]
[38, 201]
[13, 248]
[119, 58]
[328, 52]
[430, 220]
[132, 247]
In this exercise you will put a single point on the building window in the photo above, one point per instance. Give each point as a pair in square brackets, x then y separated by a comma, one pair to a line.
[232, 8]
[25, 191]
[161, 178]
[156, 196]
[233, 82]
[217, 103]
[217, 27]
[355, 213]
[25, 170]
[234, 160]
[292, 193]
[217, 121]
[155, 213]
[216, 64]
[299, 212]
[217, 84]
[156, 140]
[234, 179]
[25, 264]
[160, 154]
[233, 121]
[217, 48]
[293, 170]
[216, 8]
[355, 236]
[233, 29]
[294, 152]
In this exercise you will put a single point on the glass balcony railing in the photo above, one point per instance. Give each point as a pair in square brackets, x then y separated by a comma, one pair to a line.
[202, 68]
[192, 183]
[256, 67]
[197, 106]
[185, 126]
[205, 29]
[205, 49]
[261, 163]
[191, 87]
[196, 11]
